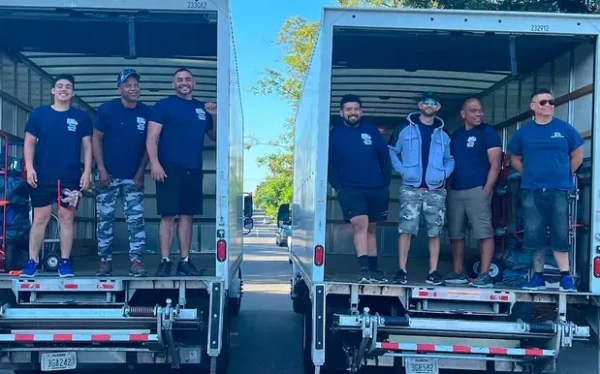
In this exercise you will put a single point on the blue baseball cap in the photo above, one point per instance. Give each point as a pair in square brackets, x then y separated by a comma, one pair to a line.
[429, 95]
[123, 75]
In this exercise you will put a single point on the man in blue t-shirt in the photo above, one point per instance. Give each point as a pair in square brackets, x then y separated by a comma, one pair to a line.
[120, 152]
[546, 152]
[424, 164]
[54, 137]
[360, 172]
[477, 151]
[180, 122]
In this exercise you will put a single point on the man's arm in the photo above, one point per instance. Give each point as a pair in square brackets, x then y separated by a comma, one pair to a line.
[576, 159]
[212, 133]
[144, 162]
[332, 174]
[393, 153]
[97, 139]
[384, 157]
[154, 129]
[494, 157]
[29, 150]
[515, 148]
[494, 154]
[449, 161]
[86, 143]
[576, 143]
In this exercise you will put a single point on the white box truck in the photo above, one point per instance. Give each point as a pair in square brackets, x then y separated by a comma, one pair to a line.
[388, 57]
[49, 323]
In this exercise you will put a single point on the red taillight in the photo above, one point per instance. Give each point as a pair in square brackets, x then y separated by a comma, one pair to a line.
[319, 255]
[597, 267]
[221, 250]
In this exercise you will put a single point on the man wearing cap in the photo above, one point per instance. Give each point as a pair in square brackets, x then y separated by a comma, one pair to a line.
[119, 145]
[424, 163]
[180, 122]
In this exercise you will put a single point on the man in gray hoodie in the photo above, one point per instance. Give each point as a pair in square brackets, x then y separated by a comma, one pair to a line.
[422, 158]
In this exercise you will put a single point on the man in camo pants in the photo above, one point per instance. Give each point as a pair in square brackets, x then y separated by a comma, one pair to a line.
[120, 153]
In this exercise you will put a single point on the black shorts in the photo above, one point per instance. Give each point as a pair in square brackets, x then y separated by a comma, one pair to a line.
[180, 193]
[364, 202]
[46, 193]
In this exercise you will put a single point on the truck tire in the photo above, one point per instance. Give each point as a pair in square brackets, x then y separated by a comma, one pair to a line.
[235, 303]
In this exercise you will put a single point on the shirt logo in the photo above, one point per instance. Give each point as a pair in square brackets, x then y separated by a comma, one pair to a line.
[471, 141]
[72, 124]
[201, 114]
[366, 138]
[557, 135]
[141, 123]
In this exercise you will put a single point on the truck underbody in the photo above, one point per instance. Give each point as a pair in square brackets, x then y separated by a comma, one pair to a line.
[93, 322]
[388, 58]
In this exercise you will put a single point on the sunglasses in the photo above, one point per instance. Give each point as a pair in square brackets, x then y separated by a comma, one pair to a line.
[544, 102]
[430, 102]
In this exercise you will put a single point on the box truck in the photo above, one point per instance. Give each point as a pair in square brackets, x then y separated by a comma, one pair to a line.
[389, 57]
[49, 323]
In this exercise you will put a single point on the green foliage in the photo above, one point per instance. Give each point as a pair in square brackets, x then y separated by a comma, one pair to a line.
[297, 37]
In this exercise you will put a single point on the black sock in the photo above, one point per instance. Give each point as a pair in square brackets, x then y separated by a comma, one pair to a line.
[564, 274]
[372, 263]
[364, 262]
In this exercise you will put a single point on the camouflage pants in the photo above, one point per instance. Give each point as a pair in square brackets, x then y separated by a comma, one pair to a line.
[133, 208]
[413, 201]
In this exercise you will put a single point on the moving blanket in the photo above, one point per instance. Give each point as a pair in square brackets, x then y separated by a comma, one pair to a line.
[18, 224]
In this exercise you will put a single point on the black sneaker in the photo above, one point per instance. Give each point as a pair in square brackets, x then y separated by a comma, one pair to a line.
[378, 276]
[105, 268]
[137, 269]
[400, 277]
[365, 276]
[164, 268]
[434, 279]
[186, 268]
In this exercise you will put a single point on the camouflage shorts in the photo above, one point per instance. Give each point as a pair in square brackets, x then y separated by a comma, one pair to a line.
[133, 209]
[413, 201]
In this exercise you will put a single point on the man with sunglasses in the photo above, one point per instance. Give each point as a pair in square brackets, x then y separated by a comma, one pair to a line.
[119, 145]
[546, 152]
[425, 163]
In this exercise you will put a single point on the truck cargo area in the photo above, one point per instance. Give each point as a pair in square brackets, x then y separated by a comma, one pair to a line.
[49, 323]
[101, 44]
[390, 69]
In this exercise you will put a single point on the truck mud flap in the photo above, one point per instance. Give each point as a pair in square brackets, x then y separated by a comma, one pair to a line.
[319, 325]
[215, 320]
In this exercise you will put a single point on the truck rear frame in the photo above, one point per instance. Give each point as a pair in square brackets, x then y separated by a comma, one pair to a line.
[349, 325]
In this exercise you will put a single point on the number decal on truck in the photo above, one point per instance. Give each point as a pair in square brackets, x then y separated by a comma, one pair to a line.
[197, 5]
[540, 28]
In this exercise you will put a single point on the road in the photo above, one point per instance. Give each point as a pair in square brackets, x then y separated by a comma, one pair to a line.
[266, 334]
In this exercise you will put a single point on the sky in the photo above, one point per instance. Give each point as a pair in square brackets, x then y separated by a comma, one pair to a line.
[256, 26]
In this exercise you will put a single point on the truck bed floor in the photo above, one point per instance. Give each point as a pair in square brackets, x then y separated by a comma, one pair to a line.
[86, 266]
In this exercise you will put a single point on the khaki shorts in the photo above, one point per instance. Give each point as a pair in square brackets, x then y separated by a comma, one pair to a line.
[470, 204]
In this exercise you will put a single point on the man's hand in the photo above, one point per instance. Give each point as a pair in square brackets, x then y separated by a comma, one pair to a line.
[487, 192]
[84, 182]
[104, 178]
[138, 180]
[211, 108]
[32, 177]
[158, 173]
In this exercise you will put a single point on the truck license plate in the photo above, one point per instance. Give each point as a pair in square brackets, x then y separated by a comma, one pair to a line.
[59, 361]
[421, 366]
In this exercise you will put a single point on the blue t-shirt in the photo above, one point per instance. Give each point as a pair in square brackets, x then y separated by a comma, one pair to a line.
[470, 151]
[124, 139]
[58, 150]
[185, 122]
[358, 156]
[546, 151]
[426, 134]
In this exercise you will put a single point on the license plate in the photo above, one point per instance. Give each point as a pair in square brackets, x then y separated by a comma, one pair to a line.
[58, 361]
[421, 366]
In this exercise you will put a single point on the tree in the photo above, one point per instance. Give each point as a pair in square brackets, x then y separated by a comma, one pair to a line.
[297, 37]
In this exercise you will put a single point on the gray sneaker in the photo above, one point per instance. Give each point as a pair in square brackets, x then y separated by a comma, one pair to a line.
[482, 281]
[454, 278]
[105, 268]
[137, 269]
